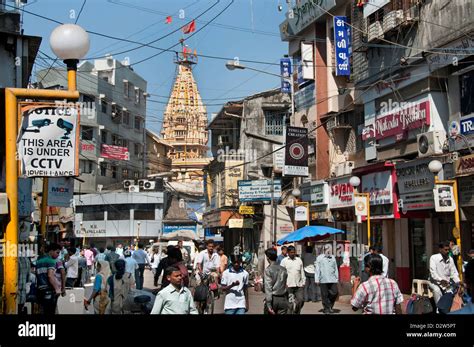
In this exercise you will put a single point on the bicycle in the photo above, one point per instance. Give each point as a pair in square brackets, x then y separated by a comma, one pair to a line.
[207, 306]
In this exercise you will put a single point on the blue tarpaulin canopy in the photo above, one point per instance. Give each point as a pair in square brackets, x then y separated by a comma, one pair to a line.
[309, 233]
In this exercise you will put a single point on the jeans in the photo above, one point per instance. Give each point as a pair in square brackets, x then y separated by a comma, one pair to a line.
[47, 299]
[329, 294]
[235, 311]
[70, 282]
[312, 292]
[156, 276]
[298, 293]
[139, 276]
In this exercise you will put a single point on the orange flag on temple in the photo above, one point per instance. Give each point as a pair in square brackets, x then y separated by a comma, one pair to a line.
[169, 20]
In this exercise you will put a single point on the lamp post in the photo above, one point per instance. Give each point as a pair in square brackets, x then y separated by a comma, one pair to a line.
[138, 234]
[435, 166]
[70, 43]
[355, 182]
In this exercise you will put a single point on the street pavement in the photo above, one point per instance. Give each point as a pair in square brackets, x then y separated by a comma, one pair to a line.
[256, 301]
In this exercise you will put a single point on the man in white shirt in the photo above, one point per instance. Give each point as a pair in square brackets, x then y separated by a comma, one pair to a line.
[385, 262]
[234, 282]
[131, 264]
[311, 290]
[442, 271]
[119, 251]
[208, 261]
[72, 267]
[296, 277]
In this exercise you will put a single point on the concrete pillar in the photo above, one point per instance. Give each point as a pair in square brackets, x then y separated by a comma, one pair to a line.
[388, 240]
[429, 237]
[402, 255]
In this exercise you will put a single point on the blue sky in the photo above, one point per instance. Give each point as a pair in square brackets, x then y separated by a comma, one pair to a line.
[144, 21]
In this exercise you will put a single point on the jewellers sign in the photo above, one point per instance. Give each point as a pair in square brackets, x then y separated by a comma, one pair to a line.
[317, 194]
[415, 185]
[341, 193]
[399, 123]
[379, 186]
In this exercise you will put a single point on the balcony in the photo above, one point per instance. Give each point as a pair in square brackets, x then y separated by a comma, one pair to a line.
[375, 32]
[392, 20]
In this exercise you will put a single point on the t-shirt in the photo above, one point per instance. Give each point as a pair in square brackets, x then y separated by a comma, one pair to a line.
[130, 265]
[42, 266]
[235, 297]
[140, 256]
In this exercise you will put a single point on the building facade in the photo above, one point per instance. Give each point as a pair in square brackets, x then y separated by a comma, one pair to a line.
[157, 160]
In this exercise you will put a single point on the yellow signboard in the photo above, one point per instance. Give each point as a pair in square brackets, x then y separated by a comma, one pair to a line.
[246, 210]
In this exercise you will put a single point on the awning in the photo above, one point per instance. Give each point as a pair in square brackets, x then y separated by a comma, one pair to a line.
[310, 233]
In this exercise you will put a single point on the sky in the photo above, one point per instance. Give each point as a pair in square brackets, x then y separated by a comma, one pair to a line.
[248, 29]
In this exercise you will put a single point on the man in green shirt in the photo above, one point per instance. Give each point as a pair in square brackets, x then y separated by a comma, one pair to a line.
[48, 286]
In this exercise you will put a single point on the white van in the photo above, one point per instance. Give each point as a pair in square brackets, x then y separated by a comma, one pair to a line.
[189, 246]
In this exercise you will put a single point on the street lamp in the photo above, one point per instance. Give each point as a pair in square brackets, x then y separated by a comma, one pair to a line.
[354, 181]
[138, 233]
[435, 166]
[71, 44]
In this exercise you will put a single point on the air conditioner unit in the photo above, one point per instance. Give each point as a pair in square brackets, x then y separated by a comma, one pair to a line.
[392, 20]
[149, 185]
[375, 31]
[431, 143]
[141, 183]
[134, 189]
[128, 183]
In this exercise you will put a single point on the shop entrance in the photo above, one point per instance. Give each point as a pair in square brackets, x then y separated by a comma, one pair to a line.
[418, 256]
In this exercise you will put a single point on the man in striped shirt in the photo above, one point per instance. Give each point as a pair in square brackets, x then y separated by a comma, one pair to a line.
[379, 295]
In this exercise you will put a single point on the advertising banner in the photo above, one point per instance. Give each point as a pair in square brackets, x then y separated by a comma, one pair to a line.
[296, 152]
[115, 152]
[285, 71]
[259, 190]
[341, 46]
[48, 141]
[444, 198]
[379, 186]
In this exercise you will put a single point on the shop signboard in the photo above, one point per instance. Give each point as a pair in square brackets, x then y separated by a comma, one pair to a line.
[317, 194]
[415, 185]
[296, 152]
[115, 152]
[171, 228]
[379, 185]
[341, 193]
[466, 191]
[464, 165]
[246, 209]
[444, 198]
[301, 213]
[259, 190]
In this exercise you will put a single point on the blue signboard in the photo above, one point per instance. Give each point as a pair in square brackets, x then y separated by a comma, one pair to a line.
[285, 71]
[170, 228]
[467, 126]
[342, 46]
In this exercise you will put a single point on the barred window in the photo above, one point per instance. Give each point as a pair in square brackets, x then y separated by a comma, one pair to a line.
[275, 122]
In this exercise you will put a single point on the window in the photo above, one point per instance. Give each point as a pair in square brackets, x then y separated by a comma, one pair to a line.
[275, 122]
[124, 174]
[91, 212]
[124, 143]
[115, 140]
[126, 117]
[103, 169]
[144, 211]
[137, 95]
[85, 166]
[87, 133]
[138, 149]
[114, 171]
[467, 93]
[103, 136]
[103, 106]
[138, 123]
[118, 212]
[179, 133]
[136, 175]
[126, 91]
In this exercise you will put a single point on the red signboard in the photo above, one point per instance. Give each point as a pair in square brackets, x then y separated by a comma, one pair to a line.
[115, 152]
[399, 123]
[87, 147]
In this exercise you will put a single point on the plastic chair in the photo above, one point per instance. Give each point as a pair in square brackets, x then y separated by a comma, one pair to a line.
[421, 287]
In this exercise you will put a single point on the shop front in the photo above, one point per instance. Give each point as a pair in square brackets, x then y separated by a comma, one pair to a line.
[464, 170]
[341, 205]
[229, 224]
[316, 193]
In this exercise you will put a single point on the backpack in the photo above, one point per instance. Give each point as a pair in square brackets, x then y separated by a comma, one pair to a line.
[201, 292]
[419, 305]
[445, 302]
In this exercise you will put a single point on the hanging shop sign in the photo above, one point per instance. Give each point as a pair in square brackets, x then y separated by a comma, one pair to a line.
[259, 190]
[286, 74]
[60, 192]
[464, 165]
[301, 213]
[114, 152]
[444, 198]
[244, 223]
[341, 193]
[48, 141]
[302, 15]
[379, 186]
[296, 152]
[398, 123]
[360, 204]
[341, 46]
[278, 158]
[317, 194]
[415, 185]
[305, 97]
[246, 209]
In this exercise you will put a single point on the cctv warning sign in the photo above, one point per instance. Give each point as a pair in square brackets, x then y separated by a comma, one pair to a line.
[47, 141]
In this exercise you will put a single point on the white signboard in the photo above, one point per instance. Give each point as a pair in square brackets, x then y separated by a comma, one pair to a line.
[278, 158]
[307, 57]
[444, 198]
[258, 190]
[360, 203]
[341, 193]
[47, 142]
[301, 213]
[379, 185]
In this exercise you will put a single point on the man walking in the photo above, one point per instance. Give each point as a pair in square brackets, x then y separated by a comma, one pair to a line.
[208, 262]
[130, 264]
[184, 252]
[274, 283]
[378, 295]
[296, 278]
[326, 276]
[174, 298]
[311, 290]
[47, 285]
[234, 282]
[283, 255]
[141, 258]
[72, 267]
[112, 257]
[442, 271]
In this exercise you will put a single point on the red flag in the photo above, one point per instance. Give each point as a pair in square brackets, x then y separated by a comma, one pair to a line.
[191, 27]
[169, 20]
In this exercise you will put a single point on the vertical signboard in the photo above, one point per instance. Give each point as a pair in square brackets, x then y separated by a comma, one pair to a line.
[444, 198]
[341, 46]
[307, 59]
[48, 141]
[296, 153]
[285, 71]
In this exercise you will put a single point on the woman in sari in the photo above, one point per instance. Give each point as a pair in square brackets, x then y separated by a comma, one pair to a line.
[100, 294]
